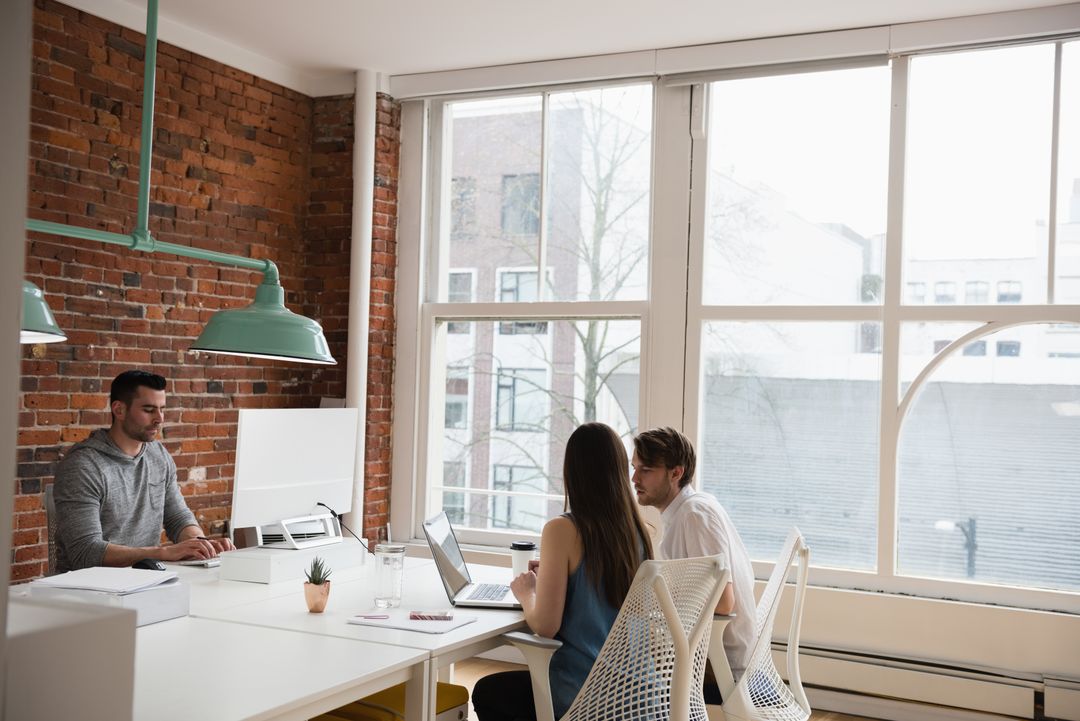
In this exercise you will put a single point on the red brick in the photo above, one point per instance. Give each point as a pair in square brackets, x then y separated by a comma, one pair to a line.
[38, 437]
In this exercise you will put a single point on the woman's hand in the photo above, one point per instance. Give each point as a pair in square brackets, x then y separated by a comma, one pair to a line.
[524, 586]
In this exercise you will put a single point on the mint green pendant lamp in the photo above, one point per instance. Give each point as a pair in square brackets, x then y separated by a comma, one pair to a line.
[265, 329]
[38, 324]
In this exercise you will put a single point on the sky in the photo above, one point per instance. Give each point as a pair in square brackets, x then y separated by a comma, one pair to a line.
[821, 141]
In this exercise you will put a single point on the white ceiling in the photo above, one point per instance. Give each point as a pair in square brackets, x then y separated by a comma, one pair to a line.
[301, 42]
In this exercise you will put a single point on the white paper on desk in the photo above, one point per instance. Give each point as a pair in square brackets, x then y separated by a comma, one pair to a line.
[109, 580]
[400, 619]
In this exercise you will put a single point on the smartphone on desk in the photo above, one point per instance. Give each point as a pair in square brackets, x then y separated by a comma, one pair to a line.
[446, 615]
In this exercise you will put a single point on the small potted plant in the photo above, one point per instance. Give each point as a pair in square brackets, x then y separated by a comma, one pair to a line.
[317, 587]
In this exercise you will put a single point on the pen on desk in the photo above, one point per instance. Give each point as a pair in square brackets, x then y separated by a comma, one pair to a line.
[373, 616]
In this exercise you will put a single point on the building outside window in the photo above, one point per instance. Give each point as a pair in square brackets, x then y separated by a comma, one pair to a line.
[459, 290]
[916, 293]
[521, 204]
[977, 348]
[457, 398]
[1008, 348]
[945, 292]
[454, 502]
[463, 206]
[521, 399]
[1008, 291]
[517, 286]
[521, 510]
[976, 292]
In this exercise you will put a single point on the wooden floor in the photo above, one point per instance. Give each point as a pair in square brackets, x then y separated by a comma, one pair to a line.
[466, 673]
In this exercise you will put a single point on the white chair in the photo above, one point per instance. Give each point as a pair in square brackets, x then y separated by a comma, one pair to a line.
[50, 524]
[653, 662]
[760, 694]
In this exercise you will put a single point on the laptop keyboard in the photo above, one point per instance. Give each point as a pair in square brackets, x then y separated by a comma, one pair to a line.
[488, 592]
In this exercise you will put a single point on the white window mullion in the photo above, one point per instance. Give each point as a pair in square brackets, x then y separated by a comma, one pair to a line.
[1055, 135]
[699, 201]
[545, 157]
[408, 378]
[890, 332]
[663, 385]
[438, 207]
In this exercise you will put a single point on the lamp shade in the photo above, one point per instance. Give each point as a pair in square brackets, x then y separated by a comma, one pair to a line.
[265, 329]
[38, 324]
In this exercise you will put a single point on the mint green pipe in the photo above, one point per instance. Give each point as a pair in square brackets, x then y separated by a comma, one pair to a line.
[141, 238]
[150, 245]
[146, 145]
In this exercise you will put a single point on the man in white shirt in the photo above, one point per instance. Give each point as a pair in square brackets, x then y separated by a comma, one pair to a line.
[695, 524]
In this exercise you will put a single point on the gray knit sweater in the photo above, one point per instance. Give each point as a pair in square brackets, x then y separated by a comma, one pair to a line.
[104, 496]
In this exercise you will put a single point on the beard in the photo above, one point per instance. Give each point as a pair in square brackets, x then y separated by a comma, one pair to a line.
[145, 434]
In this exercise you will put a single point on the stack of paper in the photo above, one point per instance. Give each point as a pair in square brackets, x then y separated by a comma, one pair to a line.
[108, 580]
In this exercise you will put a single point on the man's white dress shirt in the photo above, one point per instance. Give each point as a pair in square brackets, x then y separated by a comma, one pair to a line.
[695, 524]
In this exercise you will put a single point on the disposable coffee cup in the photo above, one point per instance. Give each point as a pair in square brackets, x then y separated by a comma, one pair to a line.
[521, 552]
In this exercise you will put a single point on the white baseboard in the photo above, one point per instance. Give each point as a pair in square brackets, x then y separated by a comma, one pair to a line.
[892, 709]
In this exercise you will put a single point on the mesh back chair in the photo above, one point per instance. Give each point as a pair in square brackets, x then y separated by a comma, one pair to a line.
[760, 694]
[50, 523]
[653, 661]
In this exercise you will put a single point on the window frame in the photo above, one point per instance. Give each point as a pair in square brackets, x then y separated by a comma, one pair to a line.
[677, 107]
[893, 311]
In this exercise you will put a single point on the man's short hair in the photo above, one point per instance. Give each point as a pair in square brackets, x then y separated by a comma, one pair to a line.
[668, 448]
[126, 385]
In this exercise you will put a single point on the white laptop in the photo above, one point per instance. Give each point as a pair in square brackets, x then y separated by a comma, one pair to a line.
[456, 579]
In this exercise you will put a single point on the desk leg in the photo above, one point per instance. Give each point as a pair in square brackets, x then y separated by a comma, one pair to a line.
[446, 674]
[420, 694]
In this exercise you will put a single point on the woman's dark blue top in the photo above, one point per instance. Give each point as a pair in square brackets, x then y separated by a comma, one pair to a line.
[587, 619]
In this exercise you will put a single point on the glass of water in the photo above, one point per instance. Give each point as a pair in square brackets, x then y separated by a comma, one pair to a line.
[389, 573]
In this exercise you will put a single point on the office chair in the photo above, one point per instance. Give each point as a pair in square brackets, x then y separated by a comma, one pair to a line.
[653, 662]
[760, 694]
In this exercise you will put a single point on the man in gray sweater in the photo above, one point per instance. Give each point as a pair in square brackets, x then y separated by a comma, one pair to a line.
[115, 490]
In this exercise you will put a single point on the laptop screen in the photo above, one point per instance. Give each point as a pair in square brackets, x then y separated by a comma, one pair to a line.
[447, 554]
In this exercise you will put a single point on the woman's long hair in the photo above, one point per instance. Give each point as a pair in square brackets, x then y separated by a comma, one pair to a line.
[596, 476]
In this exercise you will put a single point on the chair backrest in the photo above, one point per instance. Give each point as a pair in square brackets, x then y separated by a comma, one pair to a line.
[50, 522]
[653, 662]
[761, 688]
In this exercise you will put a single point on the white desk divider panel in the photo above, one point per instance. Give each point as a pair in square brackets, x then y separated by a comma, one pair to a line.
[288, 461]
[69, 661]
[274, 565]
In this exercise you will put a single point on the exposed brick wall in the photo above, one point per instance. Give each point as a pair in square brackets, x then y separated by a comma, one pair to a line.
[328, 233]
[241, 165]
[381, 335]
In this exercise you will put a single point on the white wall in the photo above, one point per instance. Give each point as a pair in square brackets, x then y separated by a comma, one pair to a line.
[14, 142]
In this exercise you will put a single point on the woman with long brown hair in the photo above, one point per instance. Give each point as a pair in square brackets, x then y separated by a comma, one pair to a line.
[590, 556]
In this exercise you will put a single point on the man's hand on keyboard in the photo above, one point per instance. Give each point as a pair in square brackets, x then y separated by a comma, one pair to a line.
[191, 548]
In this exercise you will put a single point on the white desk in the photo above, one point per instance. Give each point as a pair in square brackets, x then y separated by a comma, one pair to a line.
[192, 668]
[422, 591]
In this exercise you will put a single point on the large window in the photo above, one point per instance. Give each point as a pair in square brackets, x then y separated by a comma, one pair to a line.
[789, 409]
[848, 281]
[557, 208]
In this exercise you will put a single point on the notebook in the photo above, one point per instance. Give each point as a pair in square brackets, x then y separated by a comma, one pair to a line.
[455, 575]
[108, 580]
[397, 618]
